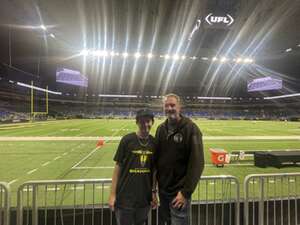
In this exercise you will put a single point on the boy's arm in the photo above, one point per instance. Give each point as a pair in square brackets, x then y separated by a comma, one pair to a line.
[115, 177]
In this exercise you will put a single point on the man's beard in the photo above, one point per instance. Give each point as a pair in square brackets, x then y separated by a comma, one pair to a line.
[172, 115]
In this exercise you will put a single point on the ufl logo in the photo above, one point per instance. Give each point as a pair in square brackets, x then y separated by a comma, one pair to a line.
[178, 138]
[143, 159]
[211, 19]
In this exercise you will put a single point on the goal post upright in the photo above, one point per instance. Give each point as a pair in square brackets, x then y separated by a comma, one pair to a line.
[32, 112]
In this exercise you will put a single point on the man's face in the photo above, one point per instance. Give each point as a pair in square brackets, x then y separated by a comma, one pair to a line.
[145, 124]
[172, 108]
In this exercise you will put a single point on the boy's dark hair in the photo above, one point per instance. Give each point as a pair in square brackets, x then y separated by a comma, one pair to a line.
[144, 113]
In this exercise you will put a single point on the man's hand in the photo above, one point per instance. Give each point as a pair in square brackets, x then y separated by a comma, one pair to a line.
[112, 201]
[179, 201]
[154, 202]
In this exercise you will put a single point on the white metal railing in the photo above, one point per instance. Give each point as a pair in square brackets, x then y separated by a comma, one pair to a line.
[65, 201]
[4, 203]
[272, 199]
[60, 200]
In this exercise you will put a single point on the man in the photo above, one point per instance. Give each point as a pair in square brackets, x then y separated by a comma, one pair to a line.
[179, 163]
[131, 192]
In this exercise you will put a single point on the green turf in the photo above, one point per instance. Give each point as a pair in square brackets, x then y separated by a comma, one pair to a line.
[113, 127]
[55, 159]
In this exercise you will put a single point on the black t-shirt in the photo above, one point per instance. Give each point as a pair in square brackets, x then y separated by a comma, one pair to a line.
[135, 158]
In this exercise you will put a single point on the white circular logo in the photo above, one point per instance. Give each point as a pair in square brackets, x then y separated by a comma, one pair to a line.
[178, 137]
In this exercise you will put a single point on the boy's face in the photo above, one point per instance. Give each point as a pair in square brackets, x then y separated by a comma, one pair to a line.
[144, 124]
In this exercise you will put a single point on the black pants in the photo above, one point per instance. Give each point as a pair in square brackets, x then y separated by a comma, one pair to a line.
[128, 216]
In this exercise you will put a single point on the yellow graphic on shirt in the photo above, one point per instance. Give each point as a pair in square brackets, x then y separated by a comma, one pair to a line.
[143, 157]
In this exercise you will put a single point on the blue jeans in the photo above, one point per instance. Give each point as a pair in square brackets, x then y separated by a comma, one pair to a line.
[168, 215]
[128, 216]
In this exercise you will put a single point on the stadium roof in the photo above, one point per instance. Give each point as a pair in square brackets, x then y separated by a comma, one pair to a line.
[195, 45]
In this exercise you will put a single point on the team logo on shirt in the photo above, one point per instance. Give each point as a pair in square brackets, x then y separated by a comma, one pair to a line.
[143, 156]
[143, 159]
[178, 138]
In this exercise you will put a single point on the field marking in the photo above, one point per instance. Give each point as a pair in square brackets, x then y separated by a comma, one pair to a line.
[56, 158]
[13, 181]
[32, 171]
[266, 150]
[46, 163]
[94, 150]
[111, 167]
[92, 167]
[88, 155]
[118, 138]
[71, 188]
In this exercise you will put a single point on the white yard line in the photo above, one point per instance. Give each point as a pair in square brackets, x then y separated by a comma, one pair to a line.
[88, 155]
[56, 158]
[46, 163]
[111, 167]
[13, 181]
[32, 171]
[118, 138]
[91, 167]
[94, 150]
[265, 150]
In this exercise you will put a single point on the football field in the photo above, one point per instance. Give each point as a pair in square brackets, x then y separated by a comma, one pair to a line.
[66, 149]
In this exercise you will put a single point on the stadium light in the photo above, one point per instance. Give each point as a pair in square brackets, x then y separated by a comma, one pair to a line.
[43, 27]
[298, 45]
[167, 56]
[175, 57]
[194, 58]
[214, 98]
[125, 54]
[52, 35]
[183, 57]
[214, 59]
[247, 60]
[84, 52]
[100, 53]
[204, 58]
[117, 96]
[282, 96]
[149, 55]
[38, 88]
[137, 55]
[238, 60]
[112, 53]
[288, 50]
[223, 59]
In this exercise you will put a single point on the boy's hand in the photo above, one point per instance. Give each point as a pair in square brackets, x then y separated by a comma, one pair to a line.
[112, 201]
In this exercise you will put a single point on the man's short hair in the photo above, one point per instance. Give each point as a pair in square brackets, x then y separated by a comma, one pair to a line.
[172, 95]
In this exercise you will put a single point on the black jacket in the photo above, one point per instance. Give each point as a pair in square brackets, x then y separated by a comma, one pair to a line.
[179, 158]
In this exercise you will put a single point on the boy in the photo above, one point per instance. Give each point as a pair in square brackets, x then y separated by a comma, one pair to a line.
[131, 193]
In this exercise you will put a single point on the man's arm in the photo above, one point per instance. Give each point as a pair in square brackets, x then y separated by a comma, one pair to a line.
[115, 177]
[195, 164]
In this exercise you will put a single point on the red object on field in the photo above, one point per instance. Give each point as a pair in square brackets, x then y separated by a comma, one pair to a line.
[219, 157]
[100, 143]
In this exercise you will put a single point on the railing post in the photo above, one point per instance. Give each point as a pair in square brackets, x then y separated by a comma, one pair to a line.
[20, 205]
[261, 210]
[34, 205]
[6, 204]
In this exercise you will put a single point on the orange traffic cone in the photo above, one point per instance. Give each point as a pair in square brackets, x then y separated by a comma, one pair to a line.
[100, 143]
